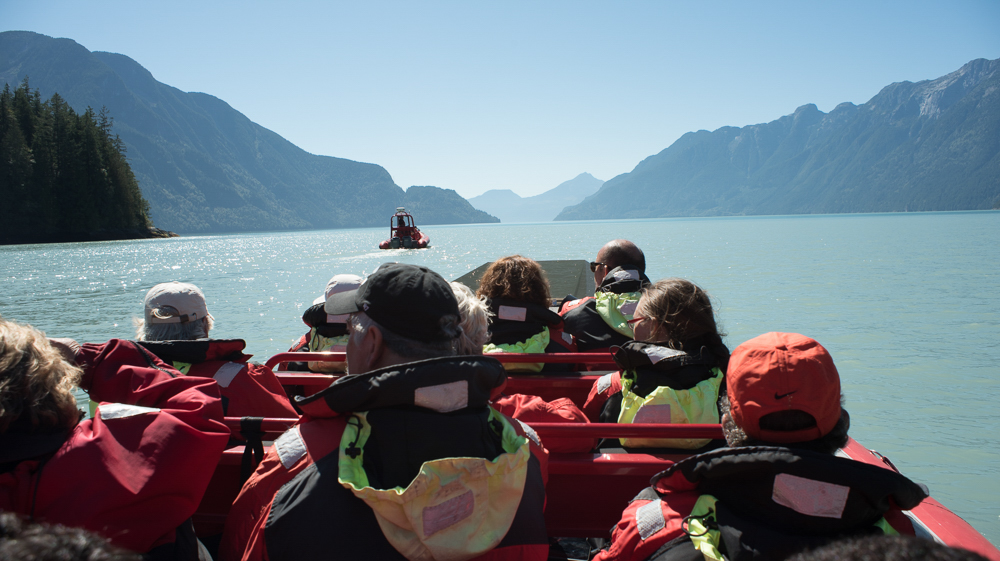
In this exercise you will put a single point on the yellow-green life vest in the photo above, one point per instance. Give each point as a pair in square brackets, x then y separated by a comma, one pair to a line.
[696, 405]
[536, 344]
[420, 519]
[617, 309]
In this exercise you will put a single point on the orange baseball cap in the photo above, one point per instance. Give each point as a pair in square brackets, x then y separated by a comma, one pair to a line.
[783, 372]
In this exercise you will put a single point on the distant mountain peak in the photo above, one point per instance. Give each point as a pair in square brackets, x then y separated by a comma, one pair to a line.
[922, 146]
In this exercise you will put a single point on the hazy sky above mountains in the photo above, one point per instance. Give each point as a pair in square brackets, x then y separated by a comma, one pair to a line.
[475, 96]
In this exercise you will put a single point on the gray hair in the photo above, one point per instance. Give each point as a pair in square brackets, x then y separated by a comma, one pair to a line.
[411, 348]
[172, 331]
[475, 315]
[785, 420]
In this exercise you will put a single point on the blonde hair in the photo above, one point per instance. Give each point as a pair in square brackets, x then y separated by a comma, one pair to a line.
[475, 320]
[36, 384]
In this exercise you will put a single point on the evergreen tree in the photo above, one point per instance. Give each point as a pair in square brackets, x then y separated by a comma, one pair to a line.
[63, 176]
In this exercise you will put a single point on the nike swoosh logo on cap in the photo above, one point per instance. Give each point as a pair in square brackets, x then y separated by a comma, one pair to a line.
[784, 395]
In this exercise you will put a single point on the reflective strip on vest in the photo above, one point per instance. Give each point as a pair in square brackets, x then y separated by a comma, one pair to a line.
[649, 519]
[604, 382]
[697, 405]
[536, 344]
[227, 372]
[110, 411]
[617, 309]
[290, 447]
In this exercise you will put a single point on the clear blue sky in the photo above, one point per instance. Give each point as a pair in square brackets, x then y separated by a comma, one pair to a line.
[474, 96]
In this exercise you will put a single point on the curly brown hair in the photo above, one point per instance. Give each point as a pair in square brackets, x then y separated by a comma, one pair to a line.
[517, 278]
[36, 384]
[682, 313]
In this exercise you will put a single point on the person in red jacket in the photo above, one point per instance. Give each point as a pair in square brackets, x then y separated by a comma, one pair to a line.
[136, 472]
[404, 458]
[175, 327]
[779, 488]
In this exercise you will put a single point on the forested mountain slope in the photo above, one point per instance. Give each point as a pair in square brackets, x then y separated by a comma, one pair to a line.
[931, 145]
[202, 165]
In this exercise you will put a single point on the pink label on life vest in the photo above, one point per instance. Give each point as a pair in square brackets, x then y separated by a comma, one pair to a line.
[448, 513]
[810, 497]
[653, 414]
[512, 313]
[628, 308]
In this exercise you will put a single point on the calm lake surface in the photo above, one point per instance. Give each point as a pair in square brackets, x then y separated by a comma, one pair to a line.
[907, 304]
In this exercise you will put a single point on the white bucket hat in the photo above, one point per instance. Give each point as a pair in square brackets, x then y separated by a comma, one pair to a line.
[336, 285]
[175, 302]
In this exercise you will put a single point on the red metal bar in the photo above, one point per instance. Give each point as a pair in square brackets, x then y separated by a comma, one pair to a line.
[615, 430]
[549, 358]
[578, 430]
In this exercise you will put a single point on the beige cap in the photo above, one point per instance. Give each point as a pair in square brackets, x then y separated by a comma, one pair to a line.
[175, 302]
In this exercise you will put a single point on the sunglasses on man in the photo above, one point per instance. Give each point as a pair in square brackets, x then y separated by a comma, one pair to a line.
[595, 264]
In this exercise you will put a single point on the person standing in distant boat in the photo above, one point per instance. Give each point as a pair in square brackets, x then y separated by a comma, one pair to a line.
[175, 327]
[601, 321]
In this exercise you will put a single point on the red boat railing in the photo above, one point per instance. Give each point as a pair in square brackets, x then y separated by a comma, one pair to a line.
[549, 386]
[590, 359]
[275, 426]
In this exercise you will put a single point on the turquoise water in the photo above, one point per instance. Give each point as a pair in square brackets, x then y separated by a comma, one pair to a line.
[907, 304]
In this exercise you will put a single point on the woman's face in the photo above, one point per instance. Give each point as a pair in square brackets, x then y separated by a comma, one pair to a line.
[645, 328]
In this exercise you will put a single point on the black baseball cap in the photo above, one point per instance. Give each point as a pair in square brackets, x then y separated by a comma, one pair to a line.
[408, 300]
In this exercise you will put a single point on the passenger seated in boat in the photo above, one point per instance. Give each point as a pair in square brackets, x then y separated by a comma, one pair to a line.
[175, 327]
[521, 321]
[475, 314]
[779, 488]
[402, 458]
[474, 319]
[21, 539]
[135, 472]
[601, 321]
[887, 548]
[327, 333]
[672, 372]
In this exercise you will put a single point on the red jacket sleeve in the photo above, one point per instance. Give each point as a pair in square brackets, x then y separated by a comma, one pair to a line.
[605, 387]
[140, 468]
[533, 409]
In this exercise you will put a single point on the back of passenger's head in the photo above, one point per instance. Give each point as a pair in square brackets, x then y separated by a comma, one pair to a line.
[174, 311]
[20, 539]
[414, 308]
[682, 313]
[886, 548]
[783, 388]
[475, 314]
[622, 253]
[36, 384]
[517, 278]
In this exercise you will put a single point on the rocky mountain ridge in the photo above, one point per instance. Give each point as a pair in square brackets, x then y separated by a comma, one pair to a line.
[930, 145]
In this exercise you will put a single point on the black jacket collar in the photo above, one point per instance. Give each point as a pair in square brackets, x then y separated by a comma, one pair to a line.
[623, 279]
[441, 384]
